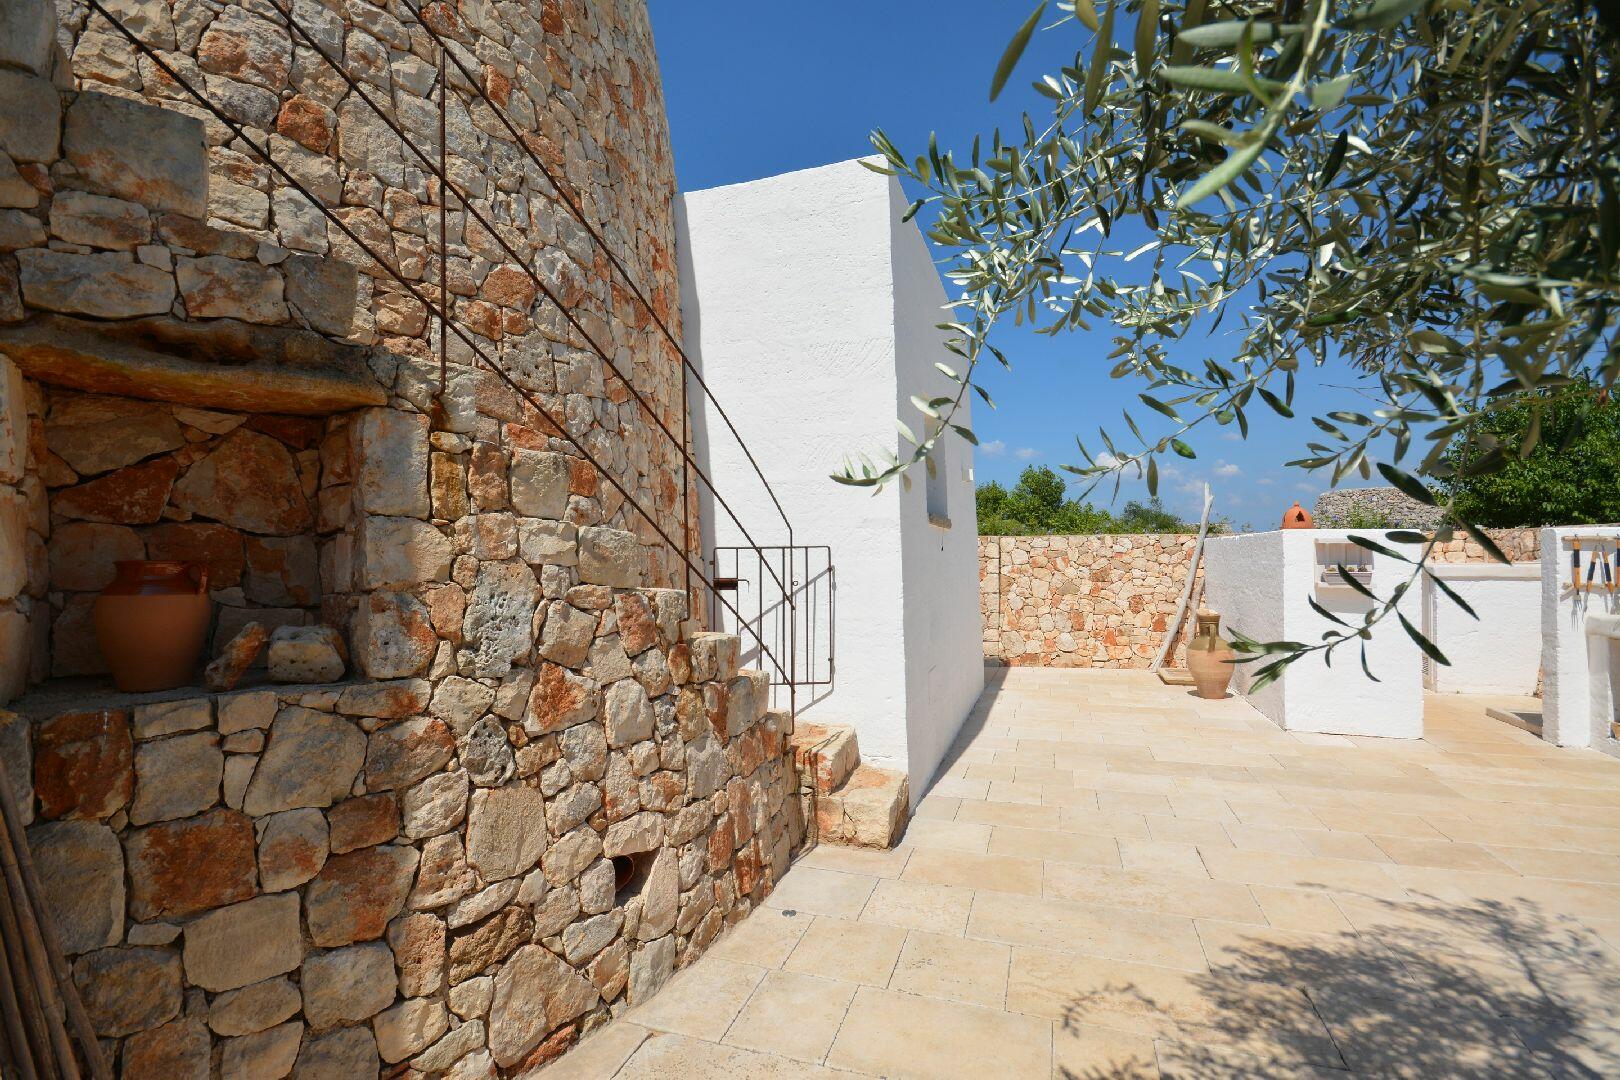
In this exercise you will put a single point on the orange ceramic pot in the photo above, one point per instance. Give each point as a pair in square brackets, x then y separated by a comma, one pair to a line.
[1297, 517]
[1209, 659]
[151, 622]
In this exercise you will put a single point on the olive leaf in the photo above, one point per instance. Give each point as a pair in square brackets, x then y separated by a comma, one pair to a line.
[1413, 206]
[1015, 50]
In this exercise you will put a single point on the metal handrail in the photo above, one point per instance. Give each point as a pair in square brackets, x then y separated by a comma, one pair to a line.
[446, 323]
[790, 619]
[689, 370]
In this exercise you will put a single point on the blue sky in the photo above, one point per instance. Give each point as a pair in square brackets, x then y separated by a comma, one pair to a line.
[758, 89]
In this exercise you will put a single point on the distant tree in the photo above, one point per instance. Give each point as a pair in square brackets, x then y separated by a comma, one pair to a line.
[994, 520]
[1039, 497]
[1572, 477]
[1150, 517]
[1039, 505]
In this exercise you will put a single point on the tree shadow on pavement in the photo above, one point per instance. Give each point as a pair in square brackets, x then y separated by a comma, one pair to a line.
[1429, 988]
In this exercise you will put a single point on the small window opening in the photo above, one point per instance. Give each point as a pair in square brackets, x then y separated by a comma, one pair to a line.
[937, 487]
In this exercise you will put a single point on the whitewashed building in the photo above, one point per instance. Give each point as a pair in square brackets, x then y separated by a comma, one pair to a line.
[808, 299]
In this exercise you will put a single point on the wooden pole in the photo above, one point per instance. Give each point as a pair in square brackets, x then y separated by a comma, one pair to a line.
[1186, 593]
[44, 940]
[38, 962]
[35, 1045]
[16, 1058]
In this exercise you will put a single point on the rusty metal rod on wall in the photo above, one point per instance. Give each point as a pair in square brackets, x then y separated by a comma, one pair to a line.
[578, 215]
[415, 293]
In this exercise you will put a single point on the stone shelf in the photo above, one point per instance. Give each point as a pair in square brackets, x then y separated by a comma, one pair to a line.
[93, 694]
[216, 364]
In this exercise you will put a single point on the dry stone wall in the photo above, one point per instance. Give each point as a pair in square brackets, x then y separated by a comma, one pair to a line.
[1387, 505]
[413, 870]
[418, 872]
[1519, 545]
[254, 499]
[1106, 601]
[1339, 508]
[579, 80]
[1081, 601]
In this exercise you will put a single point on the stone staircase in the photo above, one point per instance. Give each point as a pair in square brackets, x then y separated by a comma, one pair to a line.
[851, 804]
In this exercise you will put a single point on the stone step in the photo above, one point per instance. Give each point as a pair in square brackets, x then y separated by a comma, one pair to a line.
[826, 755]
[869, 810]
[714, 655]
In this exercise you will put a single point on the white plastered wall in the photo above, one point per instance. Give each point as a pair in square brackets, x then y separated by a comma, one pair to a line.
[1262, 584]
[1500, 651]
[1578, 691]
[811, 311]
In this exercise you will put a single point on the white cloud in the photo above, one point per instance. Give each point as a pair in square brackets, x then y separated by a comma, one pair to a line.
[1265, 481]
[993, 448]
[1231, 436]
[1106, 460]
[1026, 453]
[1227, 469]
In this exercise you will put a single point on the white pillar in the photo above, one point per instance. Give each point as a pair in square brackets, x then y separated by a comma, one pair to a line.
[1570, 659]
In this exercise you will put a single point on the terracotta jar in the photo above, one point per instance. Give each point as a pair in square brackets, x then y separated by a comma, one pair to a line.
[1297, 517]
[151, 621]
[1208, 657]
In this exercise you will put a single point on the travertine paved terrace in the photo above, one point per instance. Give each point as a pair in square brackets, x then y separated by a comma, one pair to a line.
[1115, 879]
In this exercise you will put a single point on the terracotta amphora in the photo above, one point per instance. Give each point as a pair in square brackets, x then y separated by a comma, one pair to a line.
[151, 622]
[1208, 657]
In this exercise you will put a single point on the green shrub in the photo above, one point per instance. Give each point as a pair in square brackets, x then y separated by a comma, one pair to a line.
[1038, 505]
[1571, 477]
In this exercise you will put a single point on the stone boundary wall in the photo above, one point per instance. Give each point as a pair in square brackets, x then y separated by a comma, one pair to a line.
[1401, 512]
[1105, 601]
[1519, 545]
[1081, 601]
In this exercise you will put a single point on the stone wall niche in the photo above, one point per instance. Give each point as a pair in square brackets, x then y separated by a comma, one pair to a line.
[258, 499]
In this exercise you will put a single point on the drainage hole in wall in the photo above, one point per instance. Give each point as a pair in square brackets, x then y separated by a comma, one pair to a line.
[630, 873]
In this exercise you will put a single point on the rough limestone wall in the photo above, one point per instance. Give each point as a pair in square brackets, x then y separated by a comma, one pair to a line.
[1401, 512]
[578, 77]
[1104, 601]
[1081, 601]
[1333, 508]
[100, 206]
[414, 869]
[350, 879]
[24, 523]
[1519, 545]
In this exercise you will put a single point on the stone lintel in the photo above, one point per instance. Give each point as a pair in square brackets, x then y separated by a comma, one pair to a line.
[218, 364]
